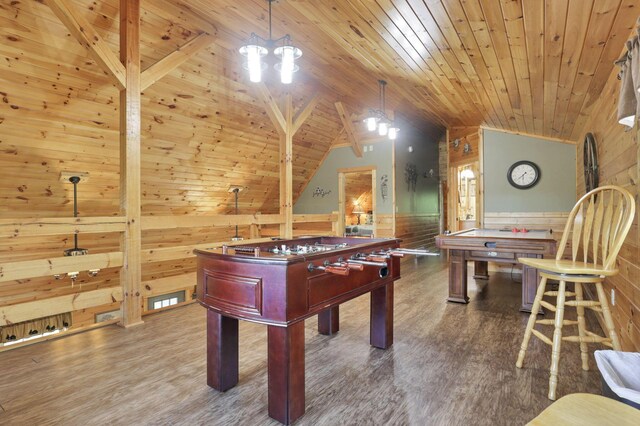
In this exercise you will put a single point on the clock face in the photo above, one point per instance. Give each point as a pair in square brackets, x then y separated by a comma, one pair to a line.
[523, 174]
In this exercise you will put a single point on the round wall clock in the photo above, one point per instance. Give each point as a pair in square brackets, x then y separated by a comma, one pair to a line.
[523, 174]
[590, 157]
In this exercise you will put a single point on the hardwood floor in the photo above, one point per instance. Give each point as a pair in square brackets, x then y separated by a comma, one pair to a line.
[450, 364]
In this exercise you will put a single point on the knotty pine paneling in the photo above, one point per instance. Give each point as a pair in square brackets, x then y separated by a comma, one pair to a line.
[417, 230]
[204, 128]
[619, 158]
[554, 221]
[457, 155]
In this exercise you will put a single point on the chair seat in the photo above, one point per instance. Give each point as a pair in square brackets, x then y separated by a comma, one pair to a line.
[585, 409]
[568, 267]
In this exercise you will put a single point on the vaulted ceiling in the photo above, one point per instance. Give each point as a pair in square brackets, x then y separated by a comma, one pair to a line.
[533, 66]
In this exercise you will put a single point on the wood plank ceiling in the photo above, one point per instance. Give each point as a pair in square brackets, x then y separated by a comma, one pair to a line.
[531, 66]
[524, 65]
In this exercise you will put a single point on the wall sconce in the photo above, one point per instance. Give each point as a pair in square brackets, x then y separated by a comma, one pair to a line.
[429, 174]
[75, 178]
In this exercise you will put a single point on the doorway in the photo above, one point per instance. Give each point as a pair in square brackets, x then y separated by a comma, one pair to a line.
[356, 201]
[466, 196]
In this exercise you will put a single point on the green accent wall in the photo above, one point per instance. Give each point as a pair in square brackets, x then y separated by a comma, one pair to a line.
[424, 156]
[326, 178]
[554, 192]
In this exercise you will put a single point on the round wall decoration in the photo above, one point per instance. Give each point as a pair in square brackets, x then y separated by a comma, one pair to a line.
[590, 157]
[523, 174]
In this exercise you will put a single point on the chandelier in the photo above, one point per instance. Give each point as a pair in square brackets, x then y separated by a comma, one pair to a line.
[377, 118]
[257, 48]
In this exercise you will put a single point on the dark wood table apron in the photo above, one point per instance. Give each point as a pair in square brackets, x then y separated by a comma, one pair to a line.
[484, 245]
[281, 294]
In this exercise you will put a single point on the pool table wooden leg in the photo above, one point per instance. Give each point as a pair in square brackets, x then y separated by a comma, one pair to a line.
[481, 270]
[530, 280]
[457, 277]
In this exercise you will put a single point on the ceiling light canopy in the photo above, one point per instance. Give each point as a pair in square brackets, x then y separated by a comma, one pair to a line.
[377, 118]
[258, 47]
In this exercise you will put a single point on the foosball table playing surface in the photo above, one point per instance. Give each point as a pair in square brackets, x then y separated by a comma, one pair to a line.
[281, 283]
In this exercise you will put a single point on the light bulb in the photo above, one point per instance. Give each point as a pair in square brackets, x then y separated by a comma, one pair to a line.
[393, 133]
[254, 53]
[371, 123]
[253, 61]
[286, 69]
[383, 126]
[287, 54]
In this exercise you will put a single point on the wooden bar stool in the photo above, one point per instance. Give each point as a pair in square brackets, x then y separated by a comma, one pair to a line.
[598, 225]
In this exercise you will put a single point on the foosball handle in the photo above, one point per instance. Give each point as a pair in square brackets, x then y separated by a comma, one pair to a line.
[376, 259]
[337, 270]
[355, 266]
[396, 254]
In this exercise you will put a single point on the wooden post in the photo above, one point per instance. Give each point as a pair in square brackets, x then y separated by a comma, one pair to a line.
[254, 229]
[286, 171]
[130, 274]
[286, 126]
[341, 205]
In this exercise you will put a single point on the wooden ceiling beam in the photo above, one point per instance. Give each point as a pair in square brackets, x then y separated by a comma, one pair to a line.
[87, 36]
[352, 136]
[271, 106]
[176, 58]
[304, 112]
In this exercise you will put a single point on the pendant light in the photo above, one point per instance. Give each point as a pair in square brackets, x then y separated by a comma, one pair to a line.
[236, 190]
[258, 47]
[377, 118]
[76, 251]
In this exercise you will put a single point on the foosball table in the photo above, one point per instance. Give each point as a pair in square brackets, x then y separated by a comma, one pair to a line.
[280, 284]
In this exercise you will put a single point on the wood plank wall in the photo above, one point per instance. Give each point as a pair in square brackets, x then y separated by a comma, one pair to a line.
[204, 128]
[619, 159]
[466, 135]
[417, 230]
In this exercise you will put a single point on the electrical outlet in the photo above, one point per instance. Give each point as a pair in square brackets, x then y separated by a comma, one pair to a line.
[613, 297]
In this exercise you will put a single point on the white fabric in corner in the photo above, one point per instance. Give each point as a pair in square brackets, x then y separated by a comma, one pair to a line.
[621, 371]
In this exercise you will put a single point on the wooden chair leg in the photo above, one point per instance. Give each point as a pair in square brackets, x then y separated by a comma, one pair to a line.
[608, 321]
[582, 328]
[532, 321]
[557, 341]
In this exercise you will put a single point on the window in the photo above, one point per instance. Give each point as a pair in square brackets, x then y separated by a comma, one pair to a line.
[165, 300]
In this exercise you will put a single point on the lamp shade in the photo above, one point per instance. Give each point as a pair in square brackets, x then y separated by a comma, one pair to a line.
[254, 54]
[286, 66]
[358, 209]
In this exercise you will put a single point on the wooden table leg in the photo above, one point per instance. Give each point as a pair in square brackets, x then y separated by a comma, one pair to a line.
[286, 372]
[329, 321]
[530, 280]
[457, 277]
[382, 317]
[222, 351]
[481, 270]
